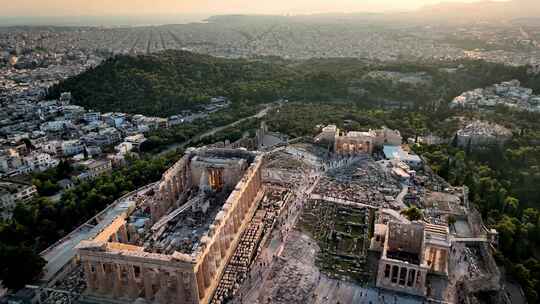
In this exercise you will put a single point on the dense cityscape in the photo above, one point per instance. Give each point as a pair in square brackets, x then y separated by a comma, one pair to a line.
[332, 158]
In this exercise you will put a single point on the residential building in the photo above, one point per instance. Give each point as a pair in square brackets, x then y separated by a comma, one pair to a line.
[38, 161]
[72, 147]
[12, 193]
[91, 116]
[481, 133]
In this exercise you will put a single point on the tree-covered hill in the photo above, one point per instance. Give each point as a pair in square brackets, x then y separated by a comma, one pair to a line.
[169, 82]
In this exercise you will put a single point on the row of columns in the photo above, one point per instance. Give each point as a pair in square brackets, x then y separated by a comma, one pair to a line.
[221, 241]
[403, 277]
[170, 192]
[158, 285]
[174, 186]
[345, 146]
[120, 236]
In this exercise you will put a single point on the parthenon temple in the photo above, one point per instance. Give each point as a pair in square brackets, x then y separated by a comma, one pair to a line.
[173, 244]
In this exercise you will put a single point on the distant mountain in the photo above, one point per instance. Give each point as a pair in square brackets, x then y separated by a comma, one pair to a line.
[444, 12]
[478, 11]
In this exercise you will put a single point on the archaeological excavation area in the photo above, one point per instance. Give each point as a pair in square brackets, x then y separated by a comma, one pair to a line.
[297, 223]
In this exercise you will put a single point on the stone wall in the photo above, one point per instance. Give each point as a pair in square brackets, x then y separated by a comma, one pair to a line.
[170, 188]
[491, 279]
[406, 237]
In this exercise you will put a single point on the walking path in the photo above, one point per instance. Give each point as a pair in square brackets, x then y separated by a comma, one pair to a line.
[215, 130]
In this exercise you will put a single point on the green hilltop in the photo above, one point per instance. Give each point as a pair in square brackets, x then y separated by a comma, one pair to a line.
[169, 82]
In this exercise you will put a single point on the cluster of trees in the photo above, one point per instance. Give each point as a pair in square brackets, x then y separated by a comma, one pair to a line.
[37, 224]
[413, 213]
[503, 182]
[300, 119]
[46, 182]
[170, 82]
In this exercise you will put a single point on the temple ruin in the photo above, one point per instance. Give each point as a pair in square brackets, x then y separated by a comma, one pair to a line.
[409, 252]
[174, 244]
[282, 225]
[355, 142]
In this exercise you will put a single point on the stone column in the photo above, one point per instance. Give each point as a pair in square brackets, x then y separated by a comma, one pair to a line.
[239, 215]
[411, 276]
[90, 280]
[116, 275]
[244, 201]
[147, 277]
[122, 232]
[101, 278]
[216, 252]
[180, 286]
[420, 279]
[179, 181]
[228, 232]
[200, 281]
[236, 220]
[170, 193]
[247, 198]
[163, 292]
[209, 270]
[223, 241]
[175, 188]
[241, 208]
[133, 289]
[192, 289]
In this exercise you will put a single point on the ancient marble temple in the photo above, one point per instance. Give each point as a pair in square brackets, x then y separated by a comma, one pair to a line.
[172, 245]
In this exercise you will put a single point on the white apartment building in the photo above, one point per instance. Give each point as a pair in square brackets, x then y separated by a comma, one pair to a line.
[72, 147]
[40, 161]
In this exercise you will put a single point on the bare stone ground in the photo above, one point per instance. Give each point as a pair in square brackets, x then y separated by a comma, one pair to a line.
[292, 277]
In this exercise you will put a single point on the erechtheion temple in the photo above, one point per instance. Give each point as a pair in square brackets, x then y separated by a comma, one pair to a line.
[409, 252]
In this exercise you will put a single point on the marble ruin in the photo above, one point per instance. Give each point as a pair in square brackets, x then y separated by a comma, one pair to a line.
[173, 245]
[287, 223]
[355, 142]
[409, 252]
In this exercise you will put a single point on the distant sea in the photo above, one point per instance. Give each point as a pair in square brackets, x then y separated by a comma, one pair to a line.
[104, 21]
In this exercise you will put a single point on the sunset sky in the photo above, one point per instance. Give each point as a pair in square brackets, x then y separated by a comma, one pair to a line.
[147, 7]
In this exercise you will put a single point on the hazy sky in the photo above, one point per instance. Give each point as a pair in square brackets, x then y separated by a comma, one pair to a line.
[147, 7]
